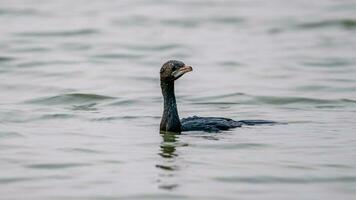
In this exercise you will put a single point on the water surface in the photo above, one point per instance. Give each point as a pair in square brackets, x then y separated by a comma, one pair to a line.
[80, 102]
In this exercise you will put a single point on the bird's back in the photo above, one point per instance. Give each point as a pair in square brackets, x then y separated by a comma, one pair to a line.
[208, 124]
[216, 124]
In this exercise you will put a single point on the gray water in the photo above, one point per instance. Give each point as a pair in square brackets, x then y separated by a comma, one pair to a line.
[80, 101]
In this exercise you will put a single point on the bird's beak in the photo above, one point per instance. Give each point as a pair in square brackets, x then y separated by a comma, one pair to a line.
[181, 71]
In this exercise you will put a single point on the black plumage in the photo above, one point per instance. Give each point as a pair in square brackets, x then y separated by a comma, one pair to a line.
[171, 71]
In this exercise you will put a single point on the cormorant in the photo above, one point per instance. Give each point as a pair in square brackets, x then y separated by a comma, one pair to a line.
[171, 71]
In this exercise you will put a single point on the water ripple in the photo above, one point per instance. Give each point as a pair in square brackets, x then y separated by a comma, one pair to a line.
[241, 98]
[82, 150]
[45, 63]
[6, 59]
[343, 23]
[57, 116]
[301, 100]
[153, 47]
[19, 12]
[288, 180]
[118, 56]
[57, 165]
[9, 134]
[236, 146]
[68, 33]
[15, 179]
[70, 99]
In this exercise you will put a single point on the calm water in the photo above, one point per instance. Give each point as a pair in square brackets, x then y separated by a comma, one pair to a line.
[80, 102]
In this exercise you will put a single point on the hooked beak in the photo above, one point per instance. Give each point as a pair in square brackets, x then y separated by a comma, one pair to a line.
[181, 71]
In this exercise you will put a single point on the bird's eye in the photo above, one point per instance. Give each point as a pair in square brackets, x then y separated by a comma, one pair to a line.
[174, 68]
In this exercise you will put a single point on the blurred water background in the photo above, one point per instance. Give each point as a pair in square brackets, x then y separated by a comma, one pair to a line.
[80, 102]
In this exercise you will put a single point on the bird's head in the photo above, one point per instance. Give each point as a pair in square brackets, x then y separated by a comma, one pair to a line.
[173, 69]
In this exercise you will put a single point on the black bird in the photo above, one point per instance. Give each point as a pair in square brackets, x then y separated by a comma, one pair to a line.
[171, 71]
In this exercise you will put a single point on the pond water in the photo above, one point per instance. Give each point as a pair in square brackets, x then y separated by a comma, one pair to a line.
[80, 100]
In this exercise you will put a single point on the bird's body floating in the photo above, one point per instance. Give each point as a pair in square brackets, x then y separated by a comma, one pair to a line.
[170, 122]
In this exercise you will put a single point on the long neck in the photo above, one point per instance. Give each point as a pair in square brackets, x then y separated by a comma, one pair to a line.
[170, 119]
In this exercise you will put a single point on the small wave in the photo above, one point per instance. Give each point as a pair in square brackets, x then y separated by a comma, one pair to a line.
[158, 196]
[69, 33]
[338, 166]
[124, 102]
[344, 23]
[230, 63]
[118, 56]
[15, 180]
[328, 62]
[181, 22]
[82, 150]
[18, 12]
[57, 116]
[11, 180]
[195, 22]
[70, 98]
[106, 118]
[236, 146]
[348, 100]
[86, 107]
[303, 100]
[31, 49]
[289, 180]
[9, 134]
[217, 103]
[113, 118]
[153, 47]
[75, 46]
[227, 20]
[44, 63]
[312, 88]
[56, 165]
[6, 59]
[347, 24]
[168, 168]
[112, 161]
[136, 20]
[168, 186]
[241, 98]
[221, 96]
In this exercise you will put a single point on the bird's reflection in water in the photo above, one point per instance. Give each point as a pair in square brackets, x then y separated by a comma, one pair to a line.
[168, 145]
[169, 164]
